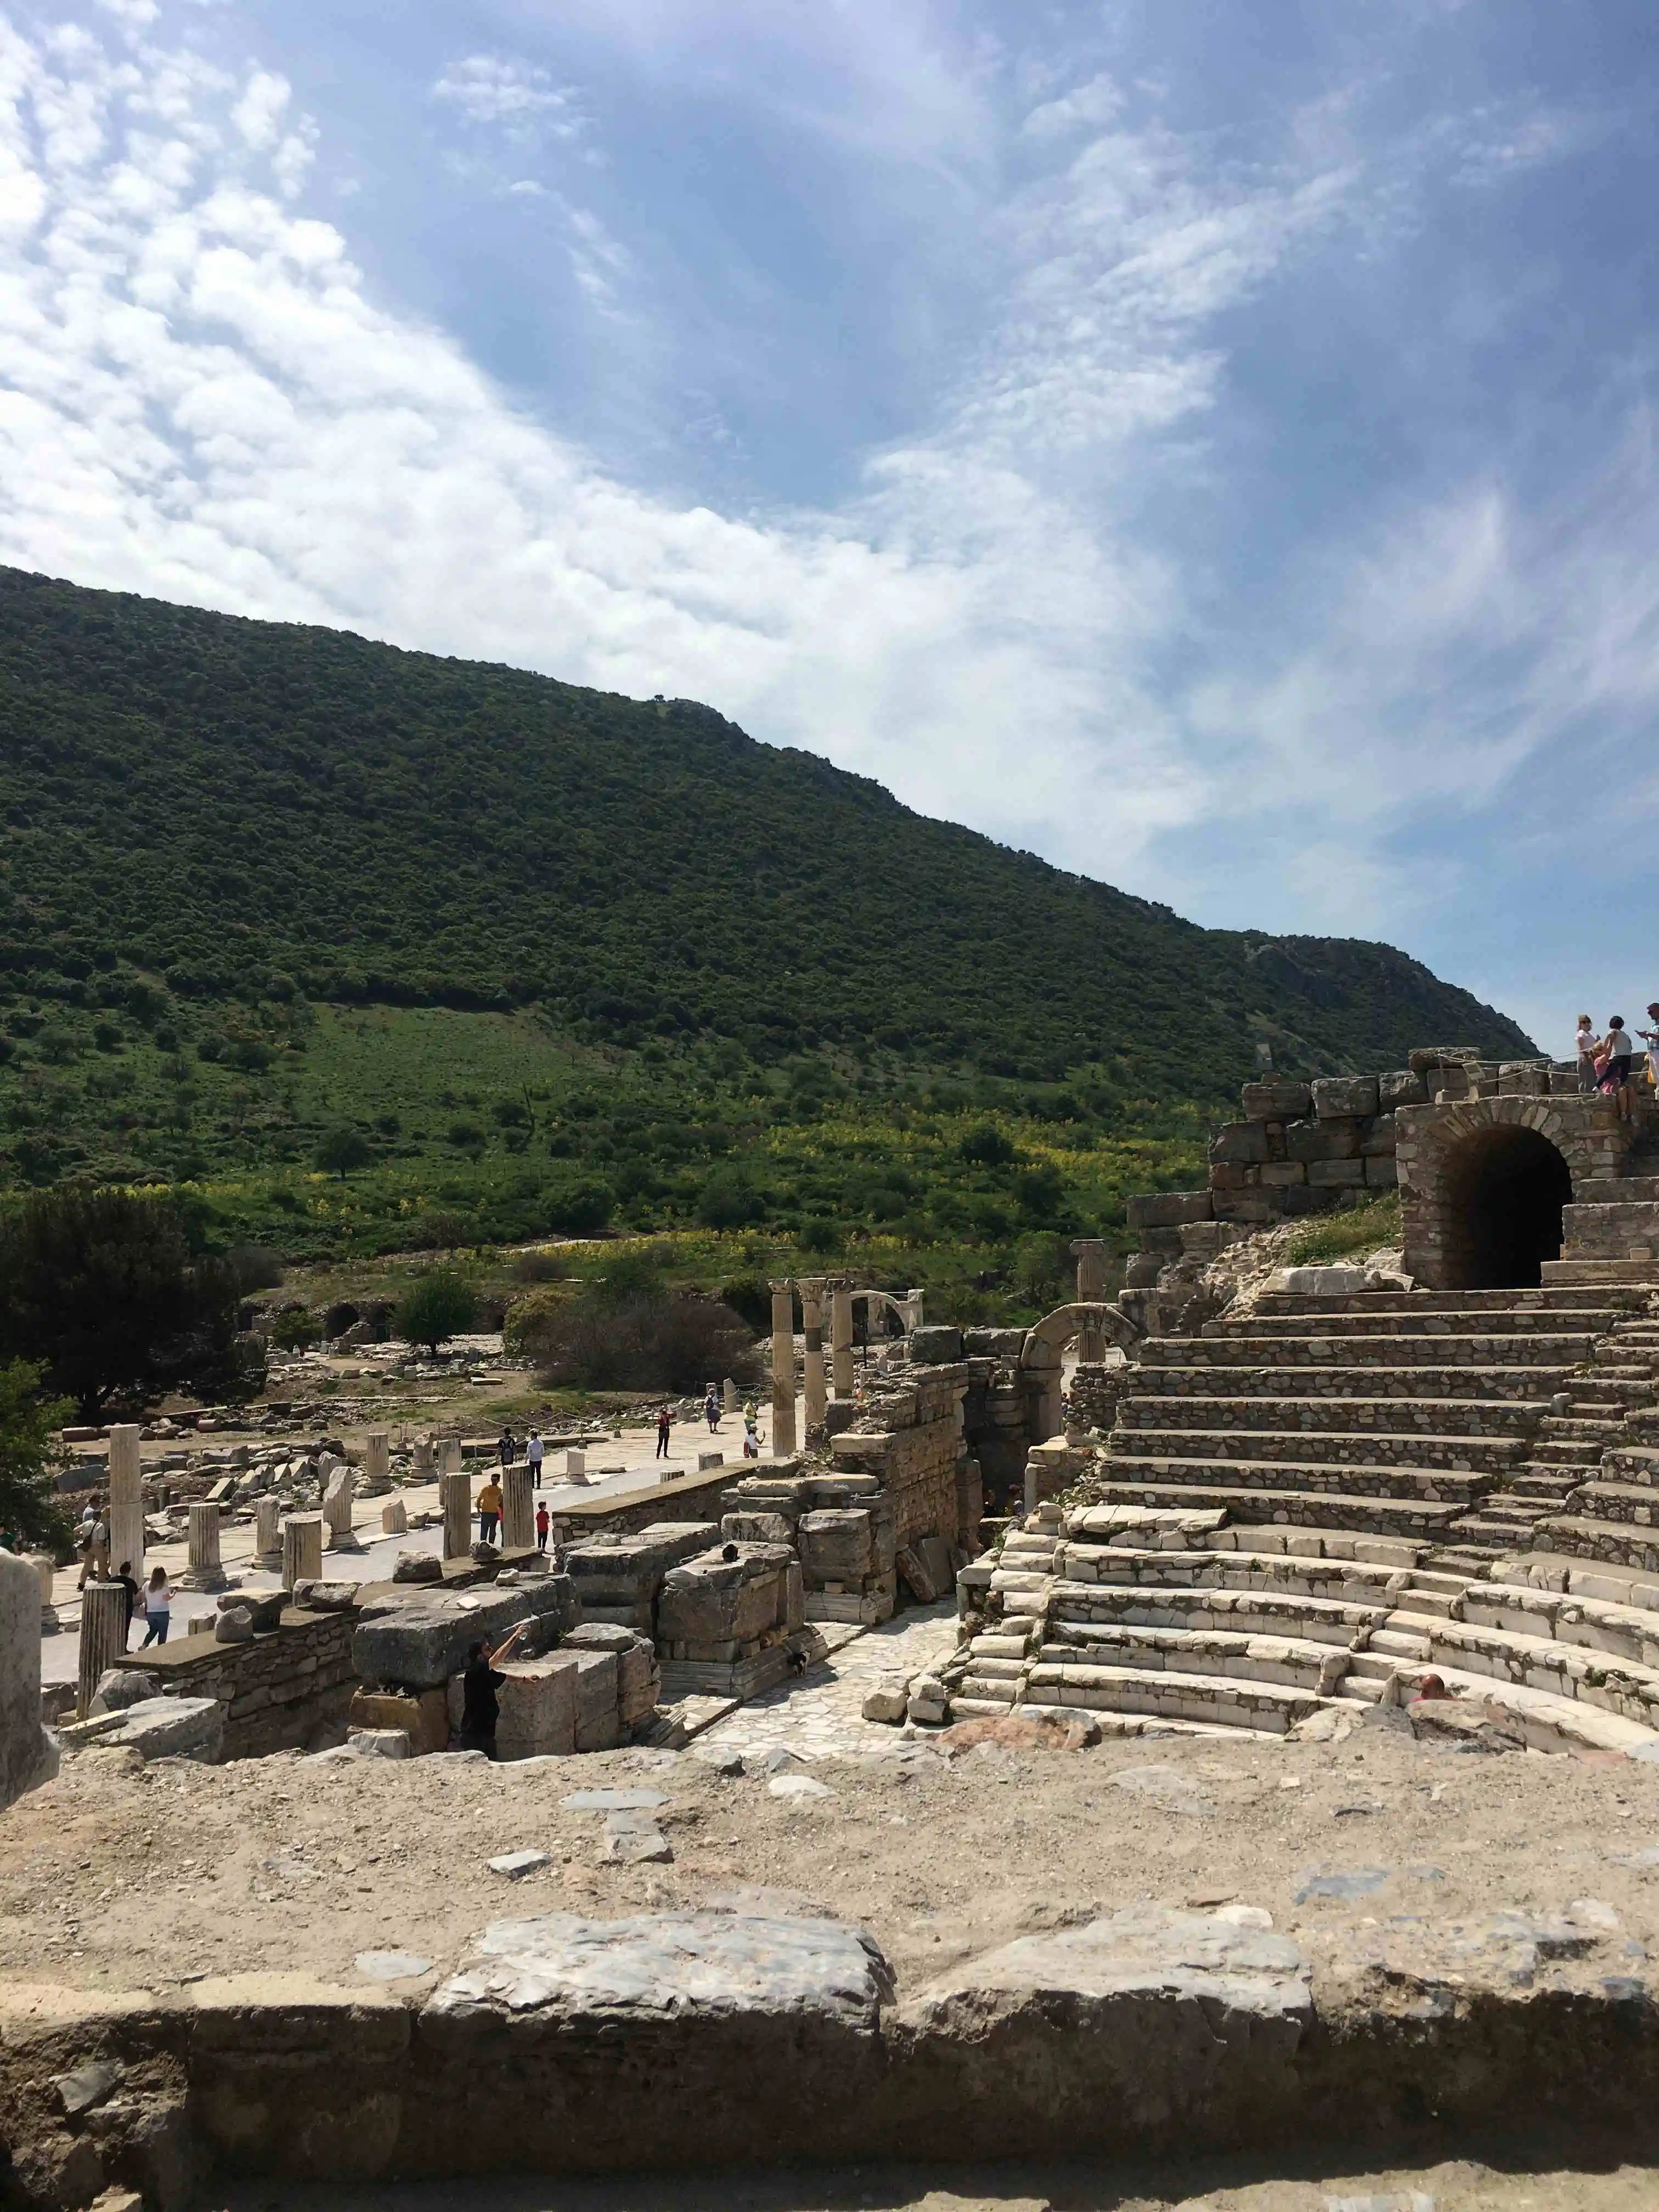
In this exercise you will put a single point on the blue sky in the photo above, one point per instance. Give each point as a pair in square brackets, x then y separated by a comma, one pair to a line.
[1209, 443]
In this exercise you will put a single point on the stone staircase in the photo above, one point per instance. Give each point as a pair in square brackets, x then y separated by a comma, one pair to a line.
[1300, 1503]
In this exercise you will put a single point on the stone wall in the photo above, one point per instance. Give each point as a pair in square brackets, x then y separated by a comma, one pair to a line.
[1095, 1388]
[687, 1498]
[909, 1436]
[288, 1687]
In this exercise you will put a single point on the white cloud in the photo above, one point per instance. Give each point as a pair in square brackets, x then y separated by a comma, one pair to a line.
[491, 89]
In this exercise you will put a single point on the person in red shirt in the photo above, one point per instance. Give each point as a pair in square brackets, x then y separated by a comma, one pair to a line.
[543, 1524]
[664, 1422]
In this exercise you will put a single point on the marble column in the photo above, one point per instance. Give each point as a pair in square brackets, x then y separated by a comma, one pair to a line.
[449, 1455]
[27, 1753]
[302, 1549]
[204, 1571]
[913, 1306]
[1089, 1253]
[377, 1462]
[456, 1493]
[267, 1532]
[815, 1391]
[337, 1501]
[425, 1466]
[46, 1568]
[728, 1396]
[783, 1370]
[127, 1501]
[575, 1465]
[103, 1637]
[840, 1339]
[518, 1508]
[394, 1518]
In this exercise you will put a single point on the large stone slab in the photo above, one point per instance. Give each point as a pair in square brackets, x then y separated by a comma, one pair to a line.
[28, 1754]
[156, 1728]
[421, 1640]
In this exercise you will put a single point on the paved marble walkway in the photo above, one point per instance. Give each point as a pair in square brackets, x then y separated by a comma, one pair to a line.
[820, 1714]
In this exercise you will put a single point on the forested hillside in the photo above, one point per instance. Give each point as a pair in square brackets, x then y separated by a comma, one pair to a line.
[256, 875]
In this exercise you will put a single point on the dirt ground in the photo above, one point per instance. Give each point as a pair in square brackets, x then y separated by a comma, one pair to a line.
[119, 1876]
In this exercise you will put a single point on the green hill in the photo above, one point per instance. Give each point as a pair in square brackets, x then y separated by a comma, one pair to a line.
[260, 880]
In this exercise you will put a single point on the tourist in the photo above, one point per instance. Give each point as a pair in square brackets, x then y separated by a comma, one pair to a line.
[507, 1448]
[158, 1608]
[543, 1524]
[664, 1422]
[1586, 1045]
[480, 1709]
[535, 1451]
[95, 1562]
[1650, 1038]
[1618, 1052]
[489, 1510]
[131, 1589]
[711, 1408]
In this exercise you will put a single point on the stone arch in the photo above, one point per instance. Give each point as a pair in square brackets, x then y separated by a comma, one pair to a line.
[886, 1299]
[1482, 1186]
[1044, 1347]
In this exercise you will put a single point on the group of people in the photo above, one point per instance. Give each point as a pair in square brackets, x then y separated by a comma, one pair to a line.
[491, 1505]
[534, 1451]
[711, 1409]
[1607, 1064]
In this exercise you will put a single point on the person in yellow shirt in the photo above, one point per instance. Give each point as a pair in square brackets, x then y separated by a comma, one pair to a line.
[490, 1511]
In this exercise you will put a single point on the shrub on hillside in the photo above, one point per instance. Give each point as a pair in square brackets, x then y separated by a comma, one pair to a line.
[626, 1330]
[441, 1305]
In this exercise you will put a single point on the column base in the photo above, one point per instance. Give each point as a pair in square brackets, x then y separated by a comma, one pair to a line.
[343, 1540]
[49, 1623]
[203, 1578]
[271, 1562]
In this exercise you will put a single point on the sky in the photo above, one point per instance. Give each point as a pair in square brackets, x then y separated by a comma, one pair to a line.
[1209, 443]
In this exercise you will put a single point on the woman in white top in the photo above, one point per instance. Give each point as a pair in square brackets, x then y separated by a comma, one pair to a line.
[158, 1608]
[1587, 1043]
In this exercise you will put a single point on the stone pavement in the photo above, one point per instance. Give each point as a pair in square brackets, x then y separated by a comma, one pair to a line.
[820, 1714]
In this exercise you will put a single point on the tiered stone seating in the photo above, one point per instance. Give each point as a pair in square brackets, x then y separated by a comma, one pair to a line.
[1295, 1506]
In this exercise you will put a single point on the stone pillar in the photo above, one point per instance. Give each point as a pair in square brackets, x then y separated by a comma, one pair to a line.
[267, 1532]
[518, 1508]
[394, 1518]
[456, 1491]
[204, 1571]
[1089, 1253]
[728, 1396]
[377, 1462]
[913, 1304]
[337, 1501]
[840, 1338]
[425, 1464]
[127, 1501]
[27, 1755]
[302, 1549]
[575, 1465]
[47, 1568]
[812, 1321]
[449, 1455]
[103, 1640]
[783, 1370]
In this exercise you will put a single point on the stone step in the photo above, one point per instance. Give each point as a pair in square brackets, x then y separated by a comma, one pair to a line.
[1566, 1575]
[1492, 1386]
[1629, 1632]
[1631, 1463]
[1591, 1537]
[1250, 1612]
[1446, 1581]
[1292, 1662]
[1585, 1319]
[1546, 1299]
[1441, 1603]
[1294, 1577]
[1551, 1484]
[1400, 1643]
[1362, 1689]
[1554, 1348]
[1390, 1417]
[1269, 1707]
[1383, 1516]
[1487, 1536]
[1613, 1685]
[1636, 1502]
[1489, 1456]
[1600, 1275]
[1436, 1486]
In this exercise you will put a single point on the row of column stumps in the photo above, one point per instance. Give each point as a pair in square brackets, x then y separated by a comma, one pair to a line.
[818, 1380]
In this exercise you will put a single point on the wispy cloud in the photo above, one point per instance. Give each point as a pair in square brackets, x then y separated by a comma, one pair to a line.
[493, 88]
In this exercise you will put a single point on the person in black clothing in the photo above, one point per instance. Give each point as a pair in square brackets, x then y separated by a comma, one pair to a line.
[480, 1709]
[130, 1587]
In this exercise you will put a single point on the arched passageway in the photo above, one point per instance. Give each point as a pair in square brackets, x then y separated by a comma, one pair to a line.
[1504, 1190]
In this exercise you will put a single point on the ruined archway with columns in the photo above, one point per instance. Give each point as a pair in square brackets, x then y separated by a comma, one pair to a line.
[1043, 1351]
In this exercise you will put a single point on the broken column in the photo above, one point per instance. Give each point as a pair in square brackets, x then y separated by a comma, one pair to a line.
[449, 1455]
[424, 1464]
[204, 1570]
[302, 1549]
[812, 1321]
[46, 1567]
[336, 1511]
[840, 1339]
[783, 1370]
[103, 1639]
[27, 1755]
[267, 1532]
[455, 1492]
[126, 1500]
[728, 1396]
[1089, 1253]
[394, 1517]
[517, 1509]
[377, 1462]
[913, 1306]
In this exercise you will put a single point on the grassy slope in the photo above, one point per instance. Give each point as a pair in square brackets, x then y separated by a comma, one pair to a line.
[261, 880]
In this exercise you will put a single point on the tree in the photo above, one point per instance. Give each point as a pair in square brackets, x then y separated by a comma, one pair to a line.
[103, 1291]
[441, 1305]
[987, 1146]
[341, 1150]
[31, 1512]
[729, 1201]
[625, 1329]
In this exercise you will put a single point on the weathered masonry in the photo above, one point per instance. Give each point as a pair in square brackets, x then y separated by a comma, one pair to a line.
[1509, 1176]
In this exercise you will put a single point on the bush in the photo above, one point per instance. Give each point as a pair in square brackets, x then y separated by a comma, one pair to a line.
[625, 1330]
[341, 1150]
[749, 1296]
[439, 1306]
[819, 1236]
[987, 1147]
[729, 1201]
[536, 1267]
[291, 1328]
[255, 1266]
[444, 1231]
[31, 1511]
[580, 1208]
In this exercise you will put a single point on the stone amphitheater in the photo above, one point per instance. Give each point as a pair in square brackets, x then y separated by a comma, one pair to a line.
[1438, 1475]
